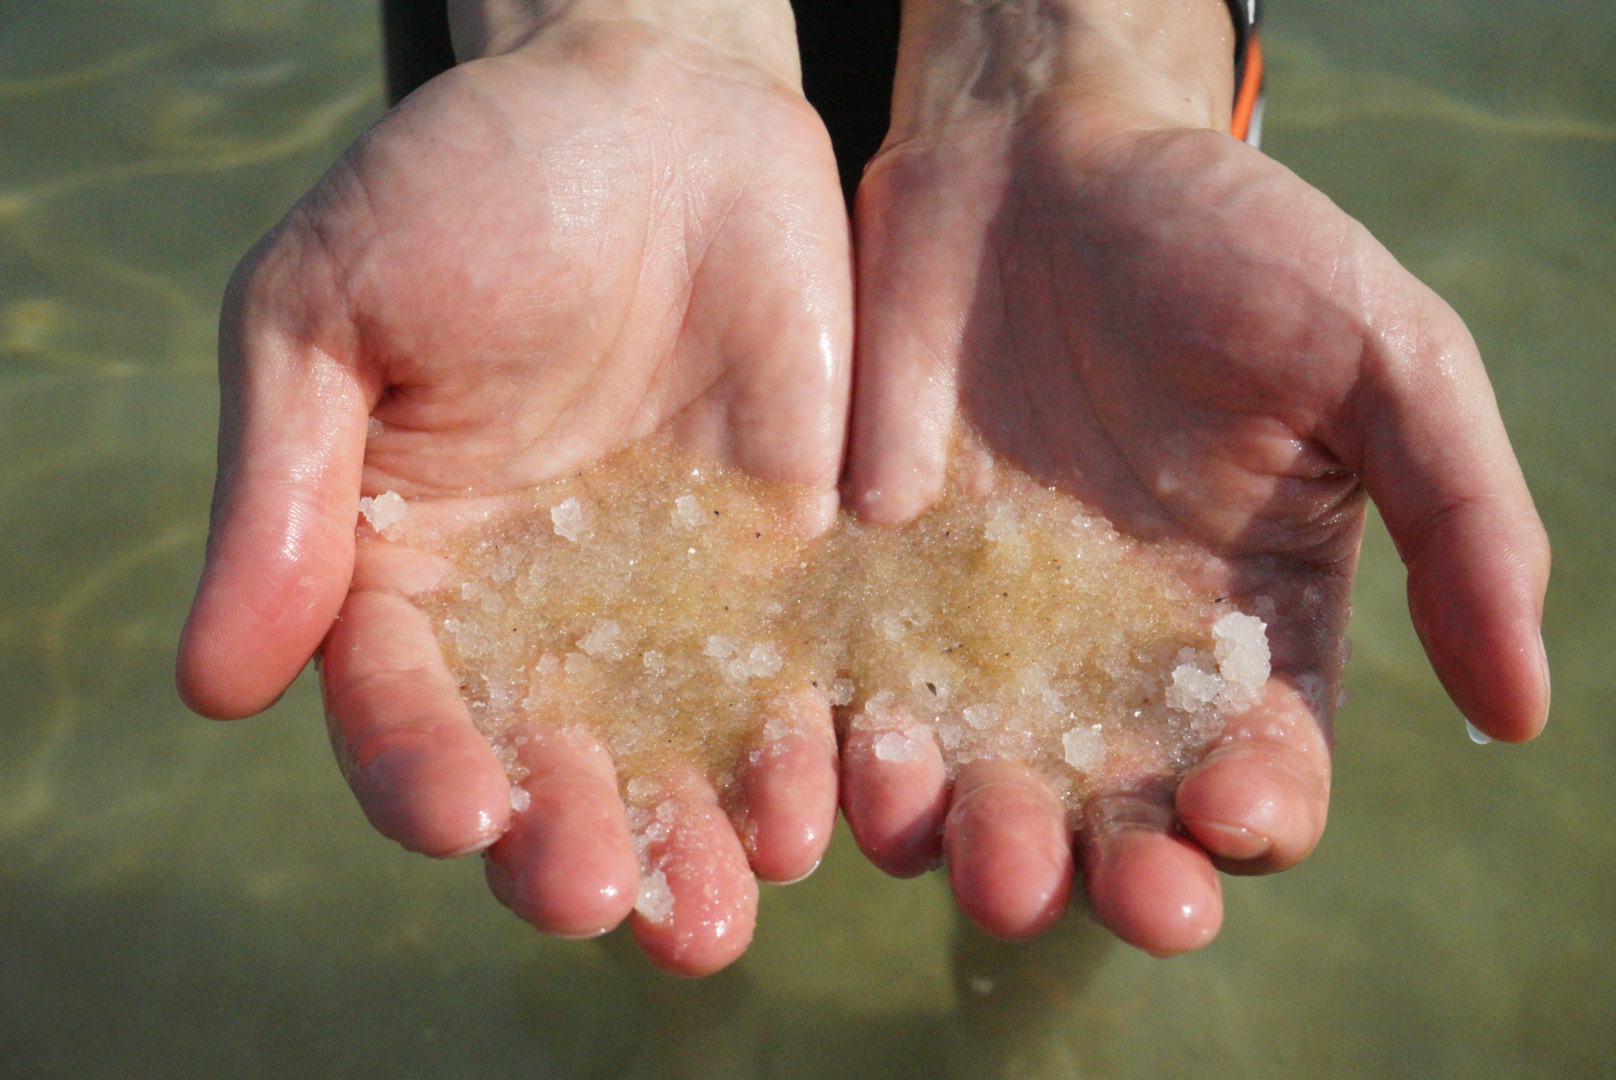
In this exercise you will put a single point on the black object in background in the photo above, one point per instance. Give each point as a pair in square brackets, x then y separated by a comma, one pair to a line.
[848, 48]
[415, 44]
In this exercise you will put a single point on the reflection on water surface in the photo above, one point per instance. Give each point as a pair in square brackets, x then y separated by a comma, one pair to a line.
[185, 899]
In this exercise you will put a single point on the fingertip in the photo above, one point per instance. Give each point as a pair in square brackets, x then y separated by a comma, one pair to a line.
[566, 864]
[1252, 809]
[895, 797]
[431, 792]
[1156, 891]
[1009, 850]
[1539, 701]
[697, 905]
[215, 681]
[1486, 647]
[790, 787]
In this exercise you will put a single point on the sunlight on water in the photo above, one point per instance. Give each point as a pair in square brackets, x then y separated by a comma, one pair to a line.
[182, 899]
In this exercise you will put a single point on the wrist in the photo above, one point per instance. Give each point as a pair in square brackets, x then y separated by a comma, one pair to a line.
[1117, 63]
[755, 33]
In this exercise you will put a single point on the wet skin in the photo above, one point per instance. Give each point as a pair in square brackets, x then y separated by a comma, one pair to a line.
[607, 232]
[1181, 332]
[537, 258]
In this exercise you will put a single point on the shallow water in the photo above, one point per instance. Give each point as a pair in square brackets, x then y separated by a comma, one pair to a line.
[182, 899]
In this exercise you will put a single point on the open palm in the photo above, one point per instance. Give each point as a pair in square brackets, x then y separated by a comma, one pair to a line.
[1179, 331]
[532, 261]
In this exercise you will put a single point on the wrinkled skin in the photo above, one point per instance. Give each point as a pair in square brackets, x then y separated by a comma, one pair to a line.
[1175, 328]
[532, 261]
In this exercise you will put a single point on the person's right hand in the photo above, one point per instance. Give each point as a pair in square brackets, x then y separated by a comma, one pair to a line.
[608, 228]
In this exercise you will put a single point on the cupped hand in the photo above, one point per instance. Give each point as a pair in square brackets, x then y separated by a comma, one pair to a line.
[1182, 333]
[538, 257]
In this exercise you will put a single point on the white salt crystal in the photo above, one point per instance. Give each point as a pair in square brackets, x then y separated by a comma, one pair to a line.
[764, 660]
[901, 746]
[374, 427]
[568, 519]
[760, 662]
[889, 624]
[688, 513]
[1084, 748]
[520, 799]
[719, 647]
[1193, 687]
[384, 511]
[654, 900]
[841, 692]
[501, 696]
[980, 716]
[604, 641]
[1240, 642]
[654, 662]
[505, 568]
[778, 728]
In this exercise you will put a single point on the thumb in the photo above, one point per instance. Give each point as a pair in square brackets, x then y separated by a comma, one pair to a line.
[281, 540]
[1439, 465]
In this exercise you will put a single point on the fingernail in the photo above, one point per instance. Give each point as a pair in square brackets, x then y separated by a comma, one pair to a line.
[488, 831]
[800, 877]
[1477, 736]
[1548, 683]
[1236, 841]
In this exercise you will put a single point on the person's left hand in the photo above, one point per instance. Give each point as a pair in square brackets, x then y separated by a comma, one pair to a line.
[1176, 329]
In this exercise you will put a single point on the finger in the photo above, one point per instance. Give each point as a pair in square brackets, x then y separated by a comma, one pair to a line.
[280, 549]
[1438, 463]
[1258, 802]
[1153, 889]
[1009, 849]
[422, 773]
[567, 862]
[697, 905]
[913, 282]
[894, 793]
[790, 789]
[773, 291]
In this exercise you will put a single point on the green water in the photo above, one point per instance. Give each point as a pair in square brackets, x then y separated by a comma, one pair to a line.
[181, 899]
